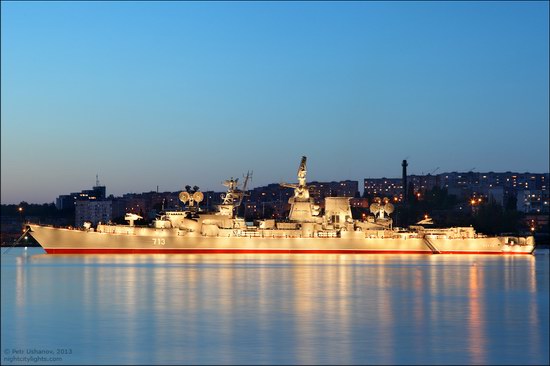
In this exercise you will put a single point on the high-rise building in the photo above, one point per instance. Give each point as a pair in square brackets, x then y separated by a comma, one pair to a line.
[93, 211]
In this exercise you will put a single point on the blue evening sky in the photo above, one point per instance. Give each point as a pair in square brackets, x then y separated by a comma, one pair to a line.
[176, 93]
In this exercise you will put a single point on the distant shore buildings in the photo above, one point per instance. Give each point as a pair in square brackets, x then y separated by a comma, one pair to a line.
[528, 190]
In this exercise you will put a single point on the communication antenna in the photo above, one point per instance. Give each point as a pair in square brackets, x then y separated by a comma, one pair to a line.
[97, 180]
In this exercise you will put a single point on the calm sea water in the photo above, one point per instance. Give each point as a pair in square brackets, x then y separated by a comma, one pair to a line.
[274, 309]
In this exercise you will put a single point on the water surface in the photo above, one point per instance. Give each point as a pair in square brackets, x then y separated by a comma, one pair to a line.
[276, 309]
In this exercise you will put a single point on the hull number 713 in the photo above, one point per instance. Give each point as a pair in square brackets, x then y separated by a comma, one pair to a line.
[159, 241]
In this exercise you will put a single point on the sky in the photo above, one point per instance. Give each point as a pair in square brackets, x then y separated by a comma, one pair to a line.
[166, 94]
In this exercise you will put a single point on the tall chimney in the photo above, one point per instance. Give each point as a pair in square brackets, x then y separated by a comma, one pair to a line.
[404, 180]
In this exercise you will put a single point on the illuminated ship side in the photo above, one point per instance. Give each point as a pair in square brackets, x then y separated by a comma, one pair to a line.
[305, 231]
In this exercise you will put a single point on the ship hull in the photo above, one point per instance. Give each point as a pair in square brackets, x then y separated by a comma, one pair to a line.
[161, 241]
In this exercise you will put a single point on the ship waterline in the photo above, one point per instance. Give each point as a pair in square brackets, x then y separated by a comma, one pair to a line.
[307, 230]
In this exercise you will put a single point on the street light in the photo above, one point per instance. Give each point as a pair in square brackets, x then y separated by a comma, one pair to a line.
[20, 209]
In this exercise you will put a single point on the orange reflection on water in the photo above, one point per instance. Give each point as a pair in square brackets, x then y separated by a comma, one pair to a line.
[477, 339]
[225, 308]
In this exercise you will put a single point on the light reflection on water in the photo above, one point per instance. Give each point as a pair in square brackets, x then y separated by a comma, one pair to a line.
[293, 309]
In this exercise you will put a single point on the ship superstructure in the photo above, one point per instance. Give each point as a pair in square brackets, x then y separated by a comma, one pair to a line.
[307, 230]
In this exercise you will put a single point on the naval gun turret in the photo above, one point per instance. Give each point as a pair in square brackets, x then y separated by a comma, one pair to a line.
[302, 206]
[131, 217]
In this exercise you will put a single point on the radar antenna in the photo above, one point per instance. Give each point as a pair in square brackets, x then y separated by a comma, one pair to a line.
[198, 197]
[234, 195]
[184, 196]
[300, 189]
[388, 207]
[381, 207]
[302, 172]
[231, 195]
[191, 196]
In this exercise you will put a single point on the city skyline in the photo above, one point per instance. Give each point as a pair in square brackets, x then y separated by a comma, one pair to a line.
[417, 181]
[170, 94]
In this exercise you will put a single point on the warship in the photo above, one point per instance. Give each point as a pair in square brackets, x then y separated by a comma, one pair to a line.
[308, 229]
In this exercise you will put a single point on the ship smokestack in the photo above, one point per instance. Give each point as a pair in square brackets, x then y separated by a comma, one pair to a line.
[404, 178]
